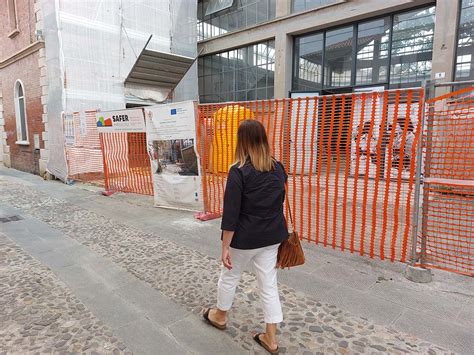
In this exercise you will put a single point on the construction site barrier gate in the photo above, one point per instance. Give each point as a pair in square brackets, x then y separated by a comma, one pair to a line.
[387, 174]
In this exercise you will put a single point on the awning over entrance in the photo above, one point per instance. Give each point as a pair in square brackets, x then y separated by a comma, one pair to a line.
[157, 69]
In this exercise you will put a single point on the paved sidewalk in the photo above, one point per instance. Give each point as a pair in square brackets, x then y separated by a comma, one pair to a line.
[183, 276]
[135, 312]
[38, 314]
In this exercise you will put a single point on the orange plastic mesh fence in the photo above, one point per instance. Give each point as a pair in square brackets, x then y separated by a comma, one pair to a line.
[126, 162]
[118, 161]
[82, 148]
[447, 233]
[350, 158]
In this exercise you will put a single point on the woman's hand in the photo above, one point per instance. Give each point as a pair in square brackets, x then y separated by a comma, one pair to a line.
[226, 259]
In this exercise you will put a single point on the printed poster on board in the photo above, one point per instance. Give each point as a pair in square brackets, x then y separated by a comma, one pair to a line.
[69, 133]
[83, 123]
[130, 121]
[171, 142]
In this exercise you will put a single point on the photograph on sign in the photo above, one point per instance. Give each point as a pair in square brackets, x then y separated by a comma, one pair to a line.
[175, 157]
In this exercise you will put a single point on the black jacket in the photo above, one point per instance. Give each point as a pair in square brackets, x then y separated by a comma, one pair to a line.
[253, 206]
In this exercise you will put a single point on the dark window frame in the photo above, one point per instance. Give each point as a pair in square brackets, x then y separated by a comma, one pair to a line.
[21, 117]
[292, 7]
[455, 62]
[355, 25]
[237, 90]
[241, 23]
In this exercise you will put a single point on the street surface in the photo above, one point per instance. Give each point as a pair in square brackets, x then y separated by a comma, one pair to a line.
[81, 272]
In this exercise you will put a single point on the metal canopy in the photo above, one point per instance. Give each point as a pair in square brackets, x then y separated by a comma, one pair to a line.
[163, 70]
[218, 5]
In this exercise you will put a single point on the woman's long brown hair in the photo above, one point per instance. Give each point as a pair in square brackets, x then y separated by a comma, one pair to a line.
[252, 146]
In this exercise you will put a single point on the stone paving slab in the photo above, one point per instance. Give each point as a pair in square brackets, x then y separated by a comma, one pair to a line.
[190, 278]
[408, 321]
[138, 314]
[39, 314]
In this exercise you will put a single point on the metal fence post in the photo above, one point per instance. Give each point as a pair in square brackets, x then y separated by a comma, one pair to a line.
[104, 164]
[428, 92]
[413, 273]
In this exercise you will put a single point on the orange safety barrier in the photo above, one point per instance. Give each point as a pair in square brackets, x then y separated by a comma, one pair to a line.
[127, 165]
[82, 148]
[446, 240]
[351, 162]
[117, 161]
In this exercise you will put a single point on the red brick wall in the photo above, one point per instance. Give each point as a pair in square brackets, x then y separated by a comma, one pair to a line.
[26, 25]
[23, 157]
[26, 69]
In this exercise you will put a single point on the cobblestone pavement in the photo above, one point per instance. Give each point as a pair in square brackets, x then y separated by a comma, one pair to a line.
[38, 314]
[190, 278]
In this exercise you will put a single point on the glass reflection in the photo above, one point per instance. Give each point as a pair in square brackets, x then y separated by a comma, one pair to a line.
[242, 74]
[338, 57]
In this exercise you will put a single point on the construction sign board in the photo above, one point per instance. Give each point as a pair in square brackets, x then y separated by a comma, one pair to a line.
[131, 120]
[171, 142]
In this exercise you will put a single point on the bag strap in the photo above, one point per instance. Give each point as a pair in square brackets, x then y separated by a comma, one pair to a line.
[291, 224]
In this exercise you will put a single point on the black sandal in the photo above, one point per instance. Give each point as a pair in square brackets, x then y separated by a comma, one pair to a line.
[214, 324]
[263, 345]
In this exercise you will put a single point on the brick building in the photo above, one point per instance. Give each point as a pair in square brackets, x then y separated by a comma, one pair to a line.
[22, 84]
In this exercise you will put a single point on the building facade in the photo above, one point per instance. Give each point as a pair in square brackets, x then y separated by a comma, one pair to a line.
[262, 49]
[91, 49]
[22, 86]
[63, 57]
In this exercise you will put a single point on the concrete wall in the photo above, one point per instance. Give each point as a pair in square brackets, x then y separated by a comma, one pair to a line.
[19, 61]
[445, 42]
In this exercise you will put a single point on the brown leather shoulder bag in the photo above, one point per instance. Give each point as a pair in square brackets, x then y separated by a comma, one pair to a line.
[290, 252]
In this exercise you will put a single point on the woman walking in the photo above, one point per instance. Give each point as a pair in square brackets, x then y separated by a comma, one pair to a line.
[253, 226]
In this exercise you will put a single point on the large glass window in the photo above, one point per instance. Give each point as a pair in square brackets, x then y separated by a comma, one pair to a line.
[309, 63]
[465, 48]
[412, 47]
[372, 52]
[338, 57]
[302, 5]
[238, 75]
[242, 14]
[394, 51]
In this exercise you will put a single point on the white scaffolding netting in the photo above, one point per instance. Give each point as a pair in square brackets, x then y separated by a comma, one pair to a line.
[92, 45]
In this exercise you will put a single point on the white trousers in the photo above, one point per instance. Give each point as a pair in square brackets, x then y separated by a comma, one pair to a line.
[263, 262]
